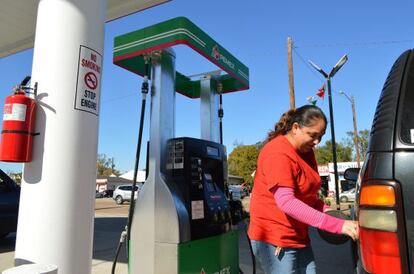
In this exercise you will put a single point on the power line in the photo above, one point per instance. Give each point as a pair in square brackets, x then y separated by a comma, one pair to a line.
[307, 65]
[311, 70]
[355, 44]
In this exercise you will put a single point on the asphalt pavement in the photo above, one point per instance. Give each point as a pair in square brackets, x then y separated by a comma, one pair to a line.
[110, 220]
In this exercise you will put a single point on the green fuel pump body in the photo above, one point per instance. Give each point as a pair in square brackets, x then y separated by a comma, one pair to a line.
[216, 255]
[199, 171]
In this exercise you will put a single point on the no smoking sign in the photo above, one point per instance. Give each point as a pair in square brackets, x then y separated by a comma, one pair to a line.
[91, 80]
[88, 81]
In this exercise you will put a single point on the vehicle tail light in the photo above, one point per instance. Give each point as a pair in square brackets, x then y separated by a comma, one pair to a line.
[377, 195]
[380, 230]
[385, 220]
[380, 251]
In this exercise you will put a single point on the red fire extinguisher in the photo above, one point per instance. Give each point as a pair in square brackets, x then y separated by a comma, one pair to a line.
[18, 126]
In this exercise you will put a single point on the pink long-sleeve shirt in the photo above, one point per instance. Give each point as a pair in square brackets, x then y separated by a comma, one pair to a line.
[295, 208]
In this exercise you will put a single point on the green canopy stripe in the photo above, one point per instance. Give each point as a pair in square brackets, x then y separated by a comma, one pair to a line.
[160, 36]
[243, 74]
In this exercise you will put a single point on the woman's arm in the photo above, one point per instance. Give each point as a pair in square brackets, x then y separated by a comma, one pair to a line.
[321, 206]
[295, 208]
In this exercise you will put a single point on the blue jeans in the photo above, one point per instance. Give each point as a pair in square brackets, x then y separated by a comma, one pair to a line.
[289, 261]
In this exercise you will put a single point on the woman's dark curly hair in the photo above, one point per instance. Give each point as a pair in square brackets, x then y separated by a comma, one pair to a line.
[304, 116]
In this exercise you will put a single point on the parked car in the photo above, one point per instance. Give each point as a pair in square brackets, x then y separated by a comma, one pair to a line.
[347, 196]
[99, 194]
[9, 204]
[122, 193]
[108, 193]
[385, 185]
[237, 192]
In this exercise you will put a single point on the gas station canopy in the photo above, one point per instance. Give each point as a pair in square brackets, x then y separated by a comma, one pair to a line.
[18, 20]
[130, 48]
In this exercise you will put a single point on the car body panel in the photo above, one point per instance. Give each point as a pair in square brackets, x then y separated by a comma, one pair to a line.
[390, 157]
[404, 172]
[377, 166]
[383, 125]
[404, 151]
[9, 204]
[108, 193]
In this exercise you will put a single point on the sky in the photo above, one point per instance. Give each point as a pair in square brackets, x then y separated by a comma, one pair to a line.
[372, 33]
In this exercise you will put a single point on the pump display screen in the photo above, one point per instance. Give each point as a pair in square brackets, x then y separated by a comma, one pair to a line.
[212, 151]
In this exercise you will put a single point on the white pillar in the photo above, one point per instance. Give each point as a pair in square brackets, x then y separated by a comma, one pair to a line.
[58, 189]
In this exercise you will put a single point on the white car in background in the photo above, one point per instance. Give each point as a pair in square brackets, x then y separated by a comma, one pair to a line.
[122, 193]
[347, 196]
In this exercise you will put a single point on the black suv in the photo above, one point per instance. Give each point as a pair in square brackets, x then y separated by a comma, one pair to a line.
[9, 204]
[385, 187]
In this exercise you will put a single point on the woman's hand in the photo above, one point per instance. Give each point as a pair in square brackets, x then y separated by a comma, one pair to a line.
[351, 229]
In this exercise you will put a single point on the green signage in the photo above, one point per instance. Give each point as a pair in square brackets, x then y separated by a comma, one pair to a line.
[213, 255]
[130, 48]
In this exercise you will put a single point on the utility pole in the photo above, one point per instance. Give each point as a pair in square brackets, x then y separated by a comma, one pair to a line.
[355, 132]
[290, 72]
[112, 165]
[351, 99]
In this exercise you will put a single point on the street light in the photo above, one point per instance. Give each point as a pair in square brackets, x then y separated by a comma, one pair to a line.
[328, 77]
[352, 100]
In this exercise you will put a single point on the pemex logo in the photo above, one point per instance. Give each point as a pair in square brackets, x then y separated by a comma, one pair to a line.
[220, 57]
[215, 52]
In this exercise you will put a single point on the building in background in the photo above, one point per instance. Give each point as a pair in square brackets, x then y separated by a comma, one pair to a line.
[328, 178]
[110, 182]
[235, 180]
[129, 175]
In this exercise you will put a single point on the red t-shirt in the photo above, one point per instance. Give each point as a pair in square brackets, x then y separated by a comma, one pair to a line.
[279, 164]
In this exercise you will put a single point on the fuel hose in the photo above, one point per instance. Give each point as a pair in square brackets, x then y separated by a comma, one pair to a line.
[126, 234]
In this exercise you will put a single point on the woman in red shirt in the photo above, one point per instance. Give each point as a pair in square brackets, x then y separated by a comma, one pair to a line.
[284, 200]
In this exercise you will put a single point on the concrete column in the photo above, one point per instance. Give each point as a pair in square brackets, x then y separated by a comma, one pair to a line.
[58, 189]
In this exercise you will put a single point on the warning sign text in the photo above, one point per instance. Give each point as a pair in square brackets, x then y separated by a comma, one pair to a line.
[88, 82]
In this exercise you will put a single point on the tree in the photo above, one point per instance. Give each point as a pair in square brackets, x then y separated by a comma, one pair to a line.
[106, 166]
[16, 176]
[242, 161]
[363, 138]
[324, 153]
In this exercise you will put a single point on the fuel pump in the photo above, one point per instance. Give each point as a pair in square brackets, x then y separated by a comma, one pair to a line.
[181, 220]
[198, 170]
[18, 125]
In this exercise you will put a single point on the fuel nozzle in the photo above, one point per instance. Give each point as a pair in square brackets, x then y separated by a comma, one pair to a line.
[220, 92]
[145, 86]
